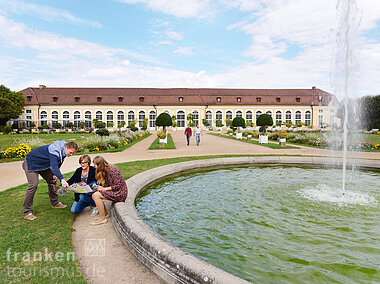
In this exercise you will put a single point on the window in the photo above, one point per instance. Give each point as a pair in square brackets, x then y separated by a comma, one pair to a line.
[298, 100]
[99, 99]
[238, 99]
[269, 112]
[258, 100]
[120, 117]
[320, 118]
[320, 98]
[66, 118]
[76, 118]
[99, 116]
[297, 117]
[29, 98]
[218, 99]
[141, 118]
[43, 117]
[278, 100]
[258, 113]
[195, 114]
[55, 99]
[278, 117]
[248, 116]
[120, 99]
[181, 118]
[219, 116]
[288, 116]
[208, 117]
[152, 118]
[131, 116]
[88, 118]
[141, 99]
[54, 117]
[28, 111]
[239, 113]
[180, 99]
[307, 117]
[109, 117]
[77, 99]
[228, 114]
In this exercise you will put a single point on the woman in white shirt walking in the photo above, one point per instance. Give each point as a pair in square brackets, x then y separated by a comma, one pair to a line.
[198, 135]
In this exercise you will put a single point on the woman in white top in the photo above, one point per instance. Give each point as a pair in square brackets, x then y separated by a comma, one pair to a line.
[198, 135]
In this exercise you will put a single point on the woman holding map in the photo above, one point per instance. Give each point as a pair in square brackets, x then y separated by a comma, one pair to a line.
[111, 186]
[85, 173]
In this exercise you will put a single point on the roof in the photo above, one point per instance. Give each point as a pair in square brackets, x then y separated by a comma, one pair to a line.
[160, 97]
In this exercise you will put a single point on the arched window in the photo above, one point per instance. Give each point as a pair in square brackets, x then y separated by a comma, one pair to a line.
[219, 116]
[278, 117]
[109, 117]
[320, 117]
[239, 113]
[248, 116]
[120, 117]
[76, 118]
[141, 118]
[209, 117]
[180, 118]
[258, 113]
[99, 116]
[195, 114]
[308, 117]
[152, 118]
[288, 116]
[66, 118]
[54, 117]
[87, 118]
[43, 116]
[269, 112]
[297, 118]
[228, 114]
[131, 116]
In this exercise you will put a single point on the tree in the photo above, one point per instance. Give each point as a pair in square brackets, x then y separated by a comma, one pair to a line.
[370, 112]
[164, 120]
[103, 132]
[263, 121]
[11, 104]
[238, 122]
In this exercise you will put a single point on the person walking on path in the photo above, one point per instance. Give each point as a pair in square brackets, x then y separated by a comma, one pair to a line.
[198, 135]
[46, 161]
[188, 133]
[111, 186]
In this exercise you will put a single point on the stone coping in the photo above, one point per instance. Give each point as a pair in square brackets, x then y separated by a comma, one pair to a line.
[170, 263]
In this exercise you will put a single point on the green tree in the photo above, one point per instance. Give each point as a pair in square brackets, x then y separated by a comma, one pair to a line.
[164, 120]
[263, 121]
[238, 122]
[11, 104]
[370, 112]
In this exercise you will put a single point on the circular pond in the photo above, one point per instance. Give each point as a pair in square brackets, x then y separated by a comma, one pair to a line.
[272, 223]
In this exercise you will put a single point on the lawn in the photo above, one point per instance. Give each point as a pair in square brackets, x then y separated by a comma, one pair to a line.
[156, 146]
[49, 235]
[371, 138]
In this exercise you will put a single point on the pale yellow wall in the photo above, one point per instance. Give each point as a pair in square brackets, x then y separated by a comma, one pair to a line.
[173, 110]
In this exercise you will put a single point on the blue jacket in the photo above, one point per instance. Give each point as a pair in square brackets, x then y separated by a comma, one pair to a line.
[47, 156]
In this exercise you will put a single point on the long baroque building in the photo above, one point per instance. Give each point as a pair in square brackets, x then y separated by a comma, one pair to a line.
[45, 105]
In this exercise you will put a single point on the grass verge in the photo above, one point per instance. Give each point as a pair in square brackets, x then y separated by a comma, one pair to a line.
[156, 146]
[270, 145]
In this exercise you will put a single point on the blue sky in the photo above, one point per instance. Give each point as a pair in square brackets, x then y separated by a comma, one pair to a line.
[188, 43]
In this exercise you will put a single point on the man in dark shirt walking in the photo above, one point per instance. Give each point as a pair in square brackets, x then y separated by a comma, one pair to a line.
[188, 134]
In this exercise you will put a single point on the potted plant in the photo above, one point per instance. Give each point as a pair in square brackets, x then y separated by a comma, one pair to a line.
[264, 121]
[239, 123]
[228, 123]
[174, 124]
[205, 123]
[162, 137]
[164, 120]
[282, 135]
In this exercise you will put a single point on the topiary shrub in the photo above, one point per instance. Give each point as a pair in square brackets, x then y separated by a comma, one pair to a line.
[103, 132]
[238, 122]
[164, 120]
[263, 121]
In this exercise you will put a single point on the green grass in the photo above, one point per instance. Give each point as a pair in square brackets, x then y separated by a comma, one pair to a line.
[270, 145]
[371, 138]
[156, 146]
[51, 230]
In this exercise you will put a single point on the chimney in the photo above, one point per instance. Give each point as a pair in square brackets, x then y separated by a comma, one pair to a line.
[42, 86]
[314, 87]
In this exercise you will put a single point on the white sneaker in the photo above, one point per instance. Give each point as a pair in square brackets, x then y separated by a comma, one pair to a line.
[94, 211]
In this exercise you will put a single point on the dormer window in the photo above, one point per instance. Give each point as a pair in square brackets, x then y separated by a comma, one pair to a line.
[99, 99]
[320, 98]
[55, 99]
[180, 99]
[141, 99]
[120, 99]
[278, 100]
[258, 100]
[238, 99]
[77, 99]
[298, 100]
[29, 98]
[218, 99]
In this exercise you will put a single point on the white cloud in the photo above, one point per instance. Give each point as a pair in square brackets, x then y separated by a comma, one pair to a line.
[174, 35]
[184, 50]
[44, 12]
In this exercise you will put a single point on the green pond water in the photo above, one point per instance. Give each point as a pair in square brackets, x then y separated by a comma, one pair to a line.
[273, 224]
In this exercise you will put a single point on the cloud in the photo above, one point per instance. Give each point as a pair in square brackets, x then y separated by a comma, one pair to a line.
[44, 12]
[184, 50]
[174, 35]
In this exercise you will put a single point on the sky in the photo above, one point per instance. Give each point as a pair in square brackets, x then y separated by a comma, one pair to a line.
[256, 44]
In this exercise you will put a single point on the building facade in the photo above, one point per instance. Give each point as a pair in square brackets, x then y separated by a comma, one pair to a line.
[45, 105]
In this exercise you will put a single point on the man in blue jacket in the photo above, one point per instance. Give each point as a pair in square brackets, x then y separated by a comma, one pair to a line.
[46, 161]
